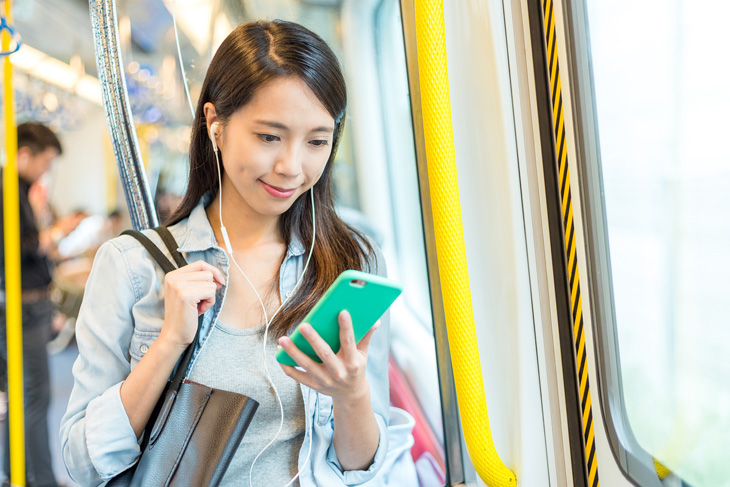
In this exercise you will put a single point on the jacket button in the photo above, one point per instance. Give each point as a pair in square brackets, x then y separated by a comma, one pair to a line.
[144, 348]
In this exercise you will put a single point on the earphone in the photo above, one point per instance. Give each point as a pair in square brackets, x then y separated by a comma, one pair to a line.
[213, 132]
[224, 232]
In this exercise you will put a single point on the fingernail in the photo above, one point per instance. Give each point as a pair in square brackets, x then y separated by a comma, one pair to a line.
[305, 328]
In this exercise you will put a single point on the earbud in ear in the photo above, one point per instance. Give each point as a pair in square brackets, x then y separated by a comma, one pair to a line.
[226, 240]
[213, 132]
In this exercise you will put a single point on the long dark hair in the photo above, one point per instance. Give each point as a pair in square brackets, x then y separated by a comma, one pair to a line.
[252, 55]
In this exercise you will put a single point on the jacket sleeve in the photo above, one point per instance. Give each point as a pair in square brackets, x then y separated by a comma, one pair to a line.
[97, 439]
[377, 373]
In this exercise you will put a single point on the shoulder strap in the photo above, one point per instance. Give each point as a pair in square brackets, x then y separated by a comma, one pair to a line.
[167, 266]
[171, 245]
[154, 251]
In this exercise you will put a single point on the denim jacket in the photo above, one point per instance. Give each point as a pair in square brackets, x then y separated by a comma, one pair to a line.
[122, 314]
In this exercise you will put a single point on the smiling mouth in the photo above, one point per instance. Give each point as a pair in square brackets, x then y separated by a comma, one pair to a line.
[283, 190]
[276, 191]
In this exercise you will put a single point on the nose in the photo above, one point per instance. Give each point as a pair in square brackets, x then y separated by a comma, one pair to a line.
[290, 161]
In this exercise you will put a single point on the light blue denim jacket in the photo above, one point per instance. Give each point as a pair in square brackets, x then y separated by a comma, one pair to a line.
[122, 314]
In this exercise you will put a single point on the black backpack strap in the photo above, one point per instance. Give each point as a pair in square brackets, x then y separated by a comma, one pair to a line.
[171, 245]
[154, 251]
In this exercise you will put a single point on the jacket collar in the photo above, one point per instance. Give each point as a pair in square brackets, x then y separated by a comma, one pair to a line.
[197, 234]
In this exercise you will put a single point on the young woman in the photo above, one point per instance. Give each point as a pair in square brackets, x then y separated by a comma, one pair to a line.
[273, 101]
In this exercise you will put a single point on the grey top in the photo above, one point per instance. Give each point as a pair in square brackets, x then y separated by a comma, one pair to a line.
[232, 360]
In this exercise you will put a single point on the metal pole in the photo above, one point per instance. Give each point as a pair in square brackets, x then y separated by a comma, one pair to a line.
[119, 114]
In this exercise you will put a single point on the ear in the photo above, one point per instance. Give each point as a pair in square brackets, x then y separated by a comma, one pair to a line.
[210, 116]
[23, 156]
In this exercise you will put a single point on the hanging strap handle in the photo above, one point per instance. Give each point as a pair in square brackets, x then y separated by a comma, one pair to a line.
[4, 25]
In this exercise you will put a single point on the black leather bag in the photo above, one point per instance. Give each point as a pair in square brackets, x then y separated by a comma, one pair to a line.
[194, 430]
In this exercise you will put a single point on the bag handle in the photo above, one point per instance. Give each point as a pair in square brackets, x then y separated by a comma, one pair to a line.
[171, 245]
[168, 266]
[154, 251]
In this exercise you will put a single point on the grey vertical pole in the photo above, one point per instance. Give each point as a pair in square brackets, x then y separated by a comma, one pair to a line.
[119, 114]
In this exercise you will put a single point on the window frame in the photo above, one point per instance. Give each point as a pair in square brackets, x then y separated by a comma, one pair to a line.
[454, 447]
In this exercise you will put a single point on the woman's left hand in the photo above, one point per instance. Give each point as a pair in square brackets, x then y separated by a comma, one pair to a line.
[341, 375]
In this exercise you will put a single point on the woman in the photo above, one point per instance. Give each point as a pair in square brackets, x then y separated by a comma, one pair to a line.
[272, 105]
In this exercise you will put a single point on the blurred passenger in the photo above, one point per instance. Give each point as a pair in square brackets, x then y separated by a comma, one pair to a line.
[69, 276]
[90, 234]
[113, 226]
[38, 146]
[166, 204]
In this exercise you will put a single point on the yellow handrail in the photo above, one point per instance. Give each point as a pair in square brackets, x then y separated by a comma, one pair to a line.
[450, 247]
[13, 305]
[662, 471]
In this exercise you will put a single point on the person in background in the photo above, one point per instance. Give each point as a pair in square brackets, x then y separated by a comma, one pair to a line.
[76, 254]
[166, 202]
[113, 225]
[38, 147]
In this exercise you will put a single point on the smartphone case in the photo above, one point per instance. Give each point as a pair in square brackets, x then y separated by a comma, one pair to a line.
[366, 304]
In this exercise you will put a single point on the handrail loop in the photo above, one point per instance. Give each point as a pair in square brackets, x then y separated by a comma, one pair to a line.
[451, 250]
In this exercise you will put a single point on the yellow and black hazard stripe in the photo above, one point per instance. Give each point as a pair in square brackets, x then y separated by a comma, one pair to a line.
[568, 238]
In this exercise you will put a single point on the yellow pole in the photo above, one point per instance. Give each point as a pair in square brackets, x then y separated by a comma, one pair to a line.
[13, 306]
[450, 247]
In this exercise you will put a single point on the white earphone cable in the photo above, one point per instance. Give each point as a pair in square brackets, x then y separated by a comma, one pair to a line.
[269, 321]
[230, 252]
[266, 333]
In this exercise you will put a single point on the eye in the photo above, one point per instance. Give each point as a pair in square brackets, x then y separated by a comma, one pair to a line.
[268, 137]
[319, 143]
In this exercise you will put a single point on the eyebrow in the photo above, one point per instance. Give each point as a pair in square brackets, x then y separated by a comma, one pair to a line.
[281, 126]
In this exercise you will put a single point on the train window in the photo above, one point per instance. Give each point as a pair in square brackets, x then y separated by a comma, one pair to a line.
[375, 64]
[661, 104]
[402, 169]
[414, 332]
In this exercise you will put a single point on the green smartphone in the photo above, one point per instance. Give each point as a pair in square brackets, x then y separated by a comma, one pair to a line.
[366, 296]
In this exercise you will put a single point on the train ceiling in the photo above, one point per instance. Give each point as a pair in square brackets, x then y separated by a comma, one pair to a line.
[62, 29]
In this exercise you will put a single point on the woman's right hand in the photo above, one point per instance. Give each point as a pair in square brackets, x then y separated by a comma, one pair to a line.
[189, 292]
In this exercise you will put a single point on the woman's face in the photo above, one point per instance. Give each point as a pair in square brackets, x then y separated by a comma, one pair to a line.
[275, 147]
